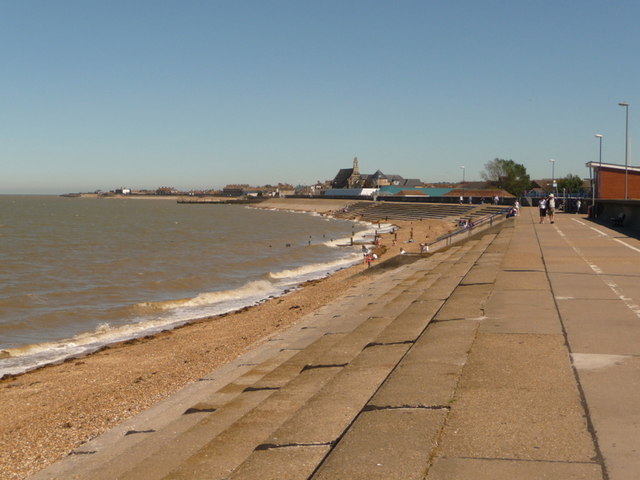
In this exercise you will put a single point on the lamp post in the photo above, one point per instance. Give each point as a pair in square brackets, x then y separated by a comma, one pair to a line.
[626, 148]
[553, 173]
[462, 167]
[596, 178]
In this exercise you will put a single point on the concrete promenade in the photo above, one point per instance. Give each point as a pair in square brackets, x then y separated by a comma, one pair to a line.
[515, 355]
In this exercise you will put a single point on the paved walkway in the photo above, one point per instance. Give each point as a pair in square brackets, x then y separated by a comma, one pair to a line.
[512, 356]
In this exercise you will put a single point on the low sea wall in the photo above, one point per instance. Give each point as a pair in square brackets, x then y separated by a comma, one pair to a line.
[606, 210]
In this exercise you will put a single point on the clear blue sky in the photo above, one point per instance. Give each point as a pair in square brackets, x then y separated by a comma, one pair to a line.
[198, 94]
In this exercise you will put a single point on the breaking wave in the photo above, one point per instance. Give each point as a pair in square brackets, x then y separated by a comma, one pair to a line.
[153, 317]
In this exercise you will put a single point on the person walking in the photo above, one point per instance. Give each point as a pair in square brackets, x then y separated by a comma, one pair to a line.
[551, 207]
[542, 207]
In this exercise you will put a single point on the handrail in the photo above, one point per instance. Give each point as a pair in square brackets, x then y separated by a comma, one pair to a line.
[469, 229]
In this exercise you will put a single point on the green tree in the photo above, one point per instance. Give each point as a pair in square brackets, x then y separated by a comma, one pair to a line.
[571, 184]
[507, 175]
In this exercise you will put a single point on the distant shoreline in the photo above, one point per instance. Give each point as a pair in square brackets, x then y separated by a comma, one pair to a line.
[187, 199]
[120, 196]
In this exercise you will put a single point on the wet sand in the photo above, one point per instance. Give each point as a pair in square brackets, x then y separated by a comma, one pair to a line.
[50, 411]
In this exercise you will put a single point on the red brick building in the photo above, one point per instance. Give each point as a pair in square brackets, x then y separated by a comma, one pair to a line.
[611, 179]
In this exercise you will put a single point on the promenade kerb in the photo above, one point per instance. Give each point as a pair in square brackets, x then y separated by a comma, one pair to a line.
[513, 355]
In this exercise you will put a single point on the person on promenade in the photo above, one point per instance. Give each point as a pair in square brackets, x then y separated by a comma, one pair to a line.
[551, 207]
[542, 207]
[578, 205]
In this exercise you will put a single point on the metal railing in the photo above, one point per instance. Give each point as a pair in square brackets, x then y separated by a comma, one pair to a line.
[472, 228]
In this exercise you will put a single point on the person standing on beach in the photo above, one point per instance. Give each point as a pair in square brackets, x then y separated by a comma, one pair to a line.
[551, 207]
[542, 207]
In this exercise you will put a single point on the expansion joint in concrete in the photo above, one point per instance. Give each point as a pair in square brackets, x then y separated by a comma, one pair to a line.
[259, 389]
[458, 319]
[372, 408]
[271, 446]
[332, 365]
[135, 432]
[531, 270]
[386, 344]
[528, 460]
[191, 410]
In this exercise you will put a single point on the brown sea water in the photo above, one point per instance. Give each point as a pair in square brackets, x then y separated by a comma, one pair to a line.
[77, 273]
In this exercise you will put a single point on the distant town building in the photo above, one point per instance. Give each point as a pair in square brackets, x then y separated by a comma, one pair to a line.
[315, 190]
[480, 195]
[235, 190]
[351, 178]
[166, 191]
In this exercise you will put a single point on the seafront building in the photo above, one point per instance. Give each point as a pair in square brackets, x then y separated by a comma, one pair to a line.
[351, 183]
[351, 178]
[612, 181]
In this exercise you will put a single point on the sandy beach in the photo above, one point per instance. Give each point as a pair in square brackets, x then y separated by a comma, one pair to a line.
[50, 411]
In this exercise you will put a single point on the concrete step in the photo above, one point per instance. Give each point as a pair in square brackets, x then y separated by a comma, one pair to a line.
[297, 448]
[261, 391]
[412, 405]
[221, 453]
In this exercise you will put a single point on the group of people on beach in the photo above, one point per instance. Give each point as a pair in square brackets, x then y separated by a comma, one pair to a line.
[547, 208]
[369, 255]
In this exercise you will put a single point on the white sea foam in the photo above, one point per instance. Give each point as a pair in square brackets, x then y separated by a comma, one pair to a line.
[315, 270]
[259, 288]
[158, 316]
[104, 304]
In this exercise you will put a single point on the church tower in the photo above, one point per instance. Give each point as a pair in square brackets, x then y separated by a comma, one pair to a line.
[354, 178]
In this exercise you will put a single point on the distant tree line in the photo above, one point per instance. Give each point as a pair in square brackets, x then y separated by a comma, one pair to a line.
[513, 177]
[507, 175]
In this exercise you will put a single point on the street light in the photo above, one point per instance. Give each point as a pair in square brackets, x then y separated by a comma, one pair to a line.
[553, 174]
[596, 178]
[462, 167]
[626, 148]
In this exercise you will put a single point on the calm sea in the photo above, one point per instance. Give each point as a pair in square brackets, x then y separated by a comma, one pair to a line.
[79, 273]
